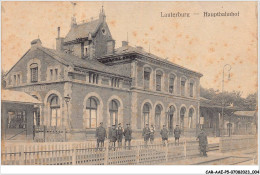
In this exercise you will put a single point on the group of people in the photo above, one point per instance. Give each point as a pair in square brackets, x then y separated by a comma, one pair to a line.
[148, 134]
[114, 135]
[117, 134]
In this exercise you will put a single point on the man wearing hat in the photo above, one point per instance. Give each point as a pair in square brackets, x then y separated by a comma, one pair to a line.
[128, 135]
[177, 133]
[119, 135]
[112, 136]
[101, 135]
[146, 134]
[152, 132]
[164, 134]
[203, 142]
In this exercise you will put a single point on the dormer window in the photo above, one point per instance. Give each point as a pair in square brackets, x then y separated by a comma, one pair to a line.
[34, 72]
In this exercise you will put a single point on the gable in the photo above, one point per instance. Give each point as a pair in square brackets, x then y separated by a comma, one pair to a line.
[42, 59]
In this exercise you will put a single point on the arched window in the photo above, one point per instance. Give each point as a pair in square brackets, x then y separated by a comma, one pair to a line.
[34, 72]
[192, 88]
[183, 86]
[158, 111]
[159, 80]
[191, 112]
[146, 113]
[113, 110]
[55, 111]
[90, 117]
[182, 115]
[147, 75]
[170, 118]
[171, 83]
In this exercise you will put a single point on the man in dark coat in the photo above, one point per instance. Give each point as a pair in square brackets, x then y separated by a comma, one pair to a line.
[112, 136]
[177, 133]
[203, 142]
[128, 135]
[101, 135]
[146, 134]
[119, 135]
[164, 134]
[152, 131]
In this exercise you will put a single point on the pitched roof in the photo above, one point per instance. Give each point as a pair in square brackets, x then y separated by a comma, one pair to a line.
[18, 97]
[129, 49]
[82, 30]
[245, 113]
[72, 60]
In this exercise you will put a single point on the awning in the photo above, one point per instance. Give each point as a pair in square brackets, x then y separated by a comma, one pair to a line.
[17, 97]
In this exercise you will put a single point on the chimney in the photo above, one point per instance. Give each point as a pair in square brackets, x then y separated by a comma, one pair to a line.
[59, 41]
[36, 42]
[58, 32]
[124, 43]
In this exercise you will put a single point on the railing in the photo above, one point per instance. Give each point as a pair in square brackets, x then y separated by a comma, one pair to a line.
[84, 153]
[49, 134]
[235, 143]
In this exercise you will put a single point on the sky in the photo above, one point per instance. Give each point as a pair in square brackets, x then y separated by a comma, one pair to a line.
[202, 44]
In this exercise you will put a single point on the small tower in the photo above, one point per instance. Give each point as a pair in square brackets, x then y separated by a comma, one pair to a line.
[102, 15]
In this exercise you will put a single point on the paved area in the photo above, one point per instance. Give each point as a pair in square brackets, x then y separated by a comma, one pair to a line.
[241, 157]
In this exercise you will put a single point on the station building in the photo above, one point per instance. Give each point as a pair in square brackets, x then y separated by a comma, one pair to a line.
[86, 80]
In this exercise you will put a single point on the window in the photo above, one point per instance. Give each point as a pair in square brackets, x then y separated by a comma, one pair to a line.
[15, 82]
[113, 110]
[158, 80]
[34, 72]
[147, 73]
[18, 79]
[16, 120]
[56, 74]
[93, 78]
[183, 82]
[171, 83]
[115, 82]
[51, 74]
[158, 111]
[191, 112]
[182, 115]
[55, 111]
[191, 89]
[170, 118]
[146, 114]
[90, 117]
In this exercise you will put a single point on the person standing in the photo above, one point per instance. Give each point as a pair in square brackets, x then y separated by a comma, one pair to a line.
[177, 134]
[203, 142]
[152, 132]
[100, 135]
[119, 135]
[164, 134]
[128, 135]
[113, 137]
[146, 134]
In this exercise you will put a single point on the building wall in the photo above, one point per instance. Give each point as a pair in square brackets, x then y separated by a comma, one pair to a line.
[44, 61]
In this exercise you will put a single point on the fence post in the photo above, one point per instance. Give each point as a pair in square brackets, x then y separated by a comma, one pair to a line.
[137, 154]
[106, 158]
[21, 157]
[185, 148]
[166, 152]
[74, 156]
